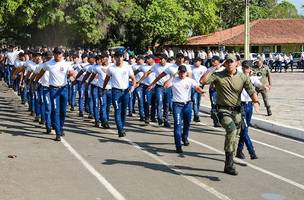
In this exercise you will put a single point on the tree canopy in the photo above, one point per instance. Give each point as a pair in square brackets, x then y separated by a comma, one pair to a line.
[134, 23]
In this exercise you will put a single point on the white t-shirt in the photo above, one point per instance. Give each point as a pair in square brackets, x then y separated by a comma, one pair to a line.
[101, 73]
[198, 72]
[120, 76]
[19, 63]
[173, 69]
[11, 57]
[58, 72]
[91, 69]
[45, 79]
[144, 69]
[157, 69]
[30, 66]
[84, 67]
[181, 89]
[135, 67]
[256, 82]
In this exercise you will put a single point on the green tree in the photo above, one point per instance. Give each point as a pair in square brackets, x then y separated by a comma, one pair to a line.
[285, 10]
[203, 15]
[165, 21]
[232, 12]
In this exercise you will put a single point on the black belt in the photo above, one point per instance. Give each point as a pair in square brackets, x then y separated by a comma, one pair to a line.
[182, 103]
[246, 102]
[230, 108]
[157, 85]
[58, 87]
[122, 90]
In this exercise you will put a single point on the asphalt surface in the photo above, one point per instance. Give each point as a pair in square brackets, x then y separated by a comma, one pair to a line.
[93, 163]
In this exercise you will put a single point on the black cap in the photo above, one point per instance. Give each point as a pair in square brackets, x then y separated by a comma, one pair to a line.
[163, 56]
[140, 57]
[182, 68]
[214, 58]
[58, 50]
[179, 55]
[47, 54]
[84, 55]
[37, 54]
[197, 59]
[149, 57]
[246, 64]
[92, 55]
[119, 53]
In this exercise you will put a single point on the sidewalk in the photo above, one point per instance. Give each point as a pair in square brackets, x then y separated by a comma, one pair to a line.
[287, 104]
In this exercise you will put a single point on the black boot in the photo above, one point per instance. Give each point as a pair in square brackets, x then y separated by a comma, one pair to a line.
[240, 154]
[179, 149]
[253, 155]
[229, 164]
[269, 113]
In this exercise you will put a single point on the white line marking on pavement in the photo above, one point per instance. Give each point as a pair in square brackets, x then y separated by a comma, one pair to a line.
[278, 136]
[179, 172]
[253, 166]
[93, 171]
[268, 145]
[279, 149]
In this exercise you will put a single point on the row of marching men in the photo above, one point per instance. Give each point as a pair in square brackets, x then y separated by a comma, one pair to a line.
[48, 82]
[94, 82]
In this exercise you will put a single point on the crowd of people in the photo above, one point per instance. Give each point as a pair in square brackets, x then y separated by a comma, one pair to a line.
[50, 81]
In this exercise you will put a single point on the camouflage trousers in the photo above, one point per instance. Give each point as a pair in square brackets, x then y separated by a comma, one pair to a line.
[231, 122]
[264, 94]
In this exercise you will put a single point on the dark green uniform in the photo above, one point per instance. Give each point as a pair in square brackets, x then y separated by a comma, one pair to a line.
[229, 89]
[263, 74]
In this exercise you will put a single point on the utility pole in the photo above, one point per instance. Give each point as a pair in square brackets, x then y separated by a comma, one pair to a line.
[247, 30]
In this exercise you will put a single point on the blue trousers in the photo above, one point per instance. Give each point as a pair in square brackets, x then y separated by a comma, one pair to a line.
[244, 136]
[106, 105]
[59, 98]
[148, 102]
[81, 94]
[120, 100]
[101, 104]
[31, 98]
[8, 74]
[182, 118]
[163, 97]
[89, 100]
[73, 92]
[196, 100]
[37, 96]
[47, 106]
[138, 94]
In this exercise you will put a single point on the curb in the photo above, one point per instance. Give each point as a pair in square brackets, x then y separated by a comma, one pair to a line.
[271, 126]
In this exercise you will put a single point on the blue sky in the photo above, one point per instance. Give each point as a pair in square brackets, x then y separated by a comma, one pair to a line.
[298, 4]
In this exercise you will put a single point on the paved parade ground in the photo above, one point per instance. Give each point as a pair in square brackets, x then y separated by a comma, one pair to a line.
[93, 163]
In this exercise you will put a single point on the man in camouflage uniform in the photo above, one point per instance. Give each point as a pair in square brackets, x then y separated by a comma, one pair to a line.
[229, 84]
[263, 72]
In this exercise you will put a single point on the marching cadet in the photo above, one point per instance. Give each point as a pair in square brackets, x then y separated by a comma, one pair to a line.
[263, 72]
[229, 85]
[120, 73]
[247, 109]
[103, 98]
[155, 71]
[138, 92]
[145, 80]
[216, 63]
[182, 105]
[165, 94]
[198, 70]
[59, 71]
[78, 80]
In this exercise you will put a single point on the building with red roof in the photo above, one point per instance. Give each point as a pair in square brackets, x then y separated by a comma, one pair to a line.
[266, 35]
